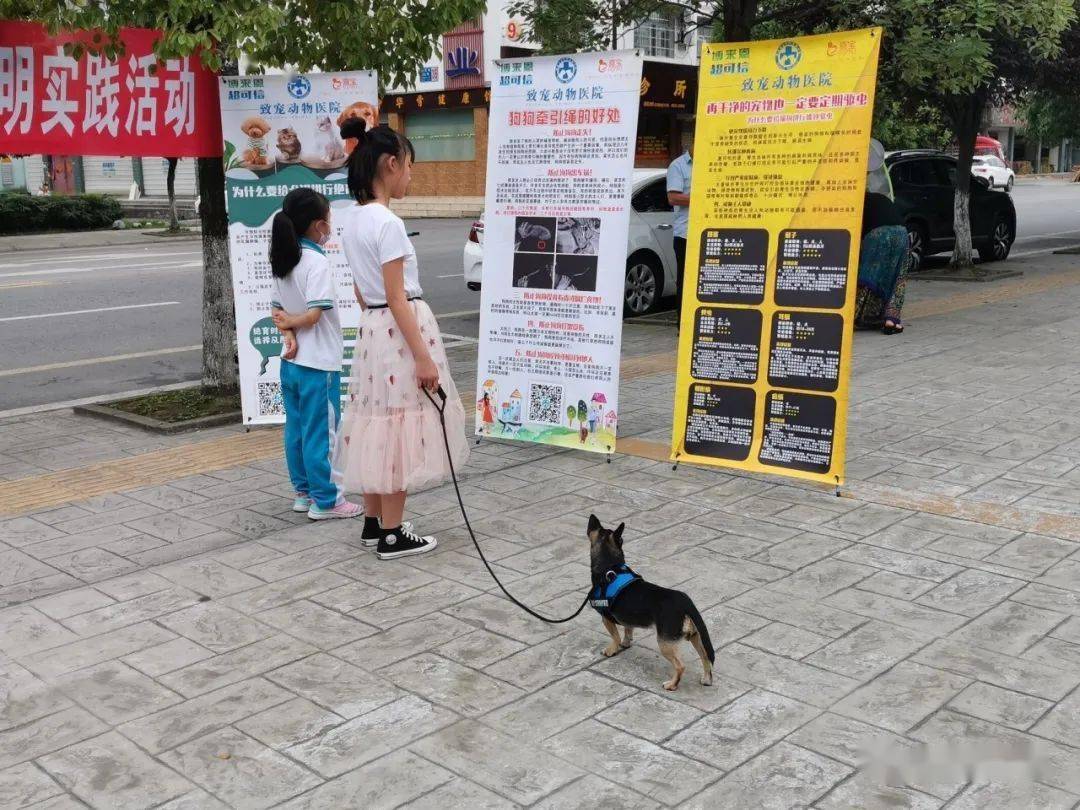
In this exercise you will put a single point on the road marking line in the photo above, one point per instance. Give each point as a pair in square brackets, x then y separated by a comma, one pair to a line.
[15, 284]
[1050, 235]
[453, 275]
[460, 314]
[460, 338]
[61, 271]
[87, 311]
[91, 361]
[95, 258]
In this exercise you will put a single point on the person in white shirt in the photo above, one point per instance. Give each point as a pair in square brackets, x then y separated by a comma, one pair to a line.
[392, 441]
[304, 307]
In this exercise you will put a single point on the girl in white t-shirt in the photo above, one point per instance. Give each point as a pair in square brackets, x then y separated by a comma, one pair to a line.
[392, 443]
[304, 307]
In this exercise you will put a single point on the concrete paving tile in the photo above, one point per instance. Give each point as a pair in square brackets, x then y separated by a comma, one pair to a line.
[494, 613]
[898, 586]
[648, 715]
[801, 550]
[782, 777]
[376, 786]
[301, 562]
[208, 577]
[87, 652]
[166, 497]
[592, 791]
[999, 669]
[1061, 722]
[869, 650]
[660, 774]
[794, 679]
[902, 697]
[336, 685]
[1042, 596]
[911, 565]
[25, 785]
[132, 586]
[47, 734]
[185, 549]
[16, 567]
[36, 588]
[479, 648]
[460, 792]
[197, 717]
[112, 517]
[864, 791]
[1004, 795]
[133, 611]
[999, 705]
[962, 547]
[254, 659]
[170, 527]
[742, 729]
[108, 771]
[851, 741]
[26, 697]
[195, 800]
[316, 624]
[276, 594]
[215, 627]
[24, 630]
[171, 655]
[820, 579]
[464, 690]
[115, 692]
[402, 641]
[554, 708]
[971, 592]
[289, 723]
[785, 640]
[1010, 627]
[808, 615]
[1055, 652]
[241, 770]
[895, 611]
[24, 531]
[1065, 574]
[370, 736]
[412, 605]
[940, 524]
[1033, 553]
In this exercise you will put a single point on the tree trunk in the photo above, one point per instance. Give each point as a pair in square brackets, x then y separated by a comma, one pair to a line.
[170, 186]
[739, 18]
[1038, 157]
[220, 368]
[614, 25]
[967, 113]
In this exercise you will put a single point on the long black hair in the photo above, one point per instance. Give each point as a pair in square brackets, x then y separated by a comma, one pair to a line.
[302, 206]
[370, 146]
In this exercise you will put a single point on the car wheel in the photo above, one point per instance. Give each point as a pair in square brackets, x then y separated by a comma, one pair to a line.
[1009, 184]
[916, 246]
[1001, 239]
[643, 286]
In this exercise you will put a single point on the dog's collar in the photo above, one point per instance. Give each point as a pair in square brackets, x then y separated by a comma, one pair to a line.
[603, 596]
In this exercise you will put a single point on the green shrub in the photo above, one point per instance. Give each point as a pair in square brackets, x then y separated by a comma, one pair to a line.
[20, 213]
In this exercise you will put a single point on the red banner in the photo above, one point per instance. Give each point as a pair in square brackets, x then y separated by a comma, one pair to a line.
[133, 105]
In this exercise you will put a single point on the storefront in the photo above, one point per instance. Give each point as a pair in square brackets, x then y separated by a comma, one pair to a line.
[666, 115]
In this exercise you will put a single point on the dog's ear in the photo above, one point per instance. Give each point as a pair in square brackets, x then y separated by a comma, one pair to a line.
[594, 527]
[617, 534]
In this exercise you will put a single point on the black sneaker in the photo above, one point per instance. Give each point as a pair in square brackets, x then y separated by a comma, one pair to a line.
[402, 542]
[369, 538]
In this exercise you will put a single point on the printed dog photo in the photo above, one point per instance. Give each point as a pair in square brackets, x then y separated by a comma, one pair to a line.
[625, 600]
[534, 234]
[576, 273]
[578, 235]
[534, 270]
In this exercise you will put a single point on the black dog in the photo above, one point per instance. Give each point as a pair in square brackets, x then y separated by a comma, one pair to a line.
[625, 600]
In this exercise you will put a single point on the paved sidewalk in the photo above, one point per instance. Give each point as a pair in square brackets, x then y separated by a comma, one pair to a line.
[191, 643]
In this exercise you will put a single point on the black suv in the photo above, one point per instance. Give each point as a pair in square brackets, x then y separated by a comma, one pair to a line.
[924, 183]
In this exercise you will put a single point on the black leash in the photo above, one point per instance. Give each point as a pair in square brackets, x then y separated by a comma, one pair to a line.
[453, 474]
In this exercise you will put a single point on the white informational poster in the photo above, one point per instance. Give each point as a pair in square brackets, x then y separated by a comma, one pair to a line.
[280, 133]
[560, 166]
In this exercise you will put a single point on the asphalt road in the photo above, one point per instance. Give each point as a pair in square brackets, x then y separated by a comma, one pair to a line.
[78, 324]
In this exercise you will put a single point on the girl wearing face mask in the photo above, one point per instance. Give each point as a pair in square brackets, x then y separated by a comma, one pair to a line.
[393, 444]
[304, 308]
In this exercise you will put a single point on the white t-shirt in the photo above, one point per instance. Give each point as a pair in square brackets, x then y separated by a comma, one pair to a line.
[311, 285]
[373, 235]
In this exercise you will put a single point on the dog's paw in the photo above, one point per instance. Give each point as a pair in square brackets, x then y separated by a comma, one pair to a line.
[612, 649]
[671, 685]
[626, 644]
[706, 679]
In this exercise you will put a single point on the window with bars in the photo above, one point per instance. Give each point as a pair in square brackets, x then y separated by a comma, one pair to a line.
[657, 35]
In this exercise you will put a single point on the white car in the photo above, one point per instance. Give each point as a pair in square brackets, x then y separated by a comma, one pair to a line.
[993, 169]
[650, 257]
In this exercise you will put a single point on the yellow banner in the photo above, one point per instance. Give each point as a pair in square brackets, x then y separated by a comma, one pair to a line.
[772, 255]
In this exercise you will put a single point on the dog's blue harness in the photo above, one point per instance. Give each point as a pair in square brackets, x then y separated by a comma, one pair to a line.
[602, 597]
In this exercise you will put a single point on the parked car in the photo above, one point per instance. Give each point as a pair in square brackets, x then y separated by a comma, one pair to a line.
[650, 256]
[924, 181]
[995, 170]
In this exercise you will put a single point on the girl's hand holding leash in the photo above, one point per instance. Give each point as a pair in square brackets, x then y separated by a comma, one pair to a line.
[427, 374]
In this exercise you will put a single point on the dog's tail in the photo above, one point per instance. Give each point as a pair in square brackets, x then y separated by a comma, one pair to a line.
[703, 631]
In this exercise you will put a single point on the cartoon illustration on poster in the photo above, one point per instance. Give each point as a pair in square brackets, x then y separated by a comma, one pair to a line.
[281, 132]
[560, 155]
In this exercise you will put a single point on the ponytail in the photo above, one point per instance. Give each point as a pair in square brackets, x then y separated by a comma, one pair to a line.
[301, 207]
[371, 145]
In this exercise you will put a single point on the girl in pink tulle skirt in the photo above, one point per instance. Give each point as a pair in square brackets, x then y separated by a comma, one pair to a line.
[391, 438]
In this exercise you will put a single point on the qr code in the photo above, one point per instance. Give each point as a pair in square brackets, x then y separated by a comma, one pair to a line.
[270, 401]
[545, 403]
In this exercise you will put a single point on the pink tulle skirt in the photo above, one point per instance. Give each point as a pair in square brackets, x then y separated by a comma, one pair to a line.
[391, 439]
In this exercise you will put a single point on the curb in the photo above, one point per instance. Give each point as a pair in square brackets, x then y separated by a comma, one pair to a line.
[35, 242]
[156, 425]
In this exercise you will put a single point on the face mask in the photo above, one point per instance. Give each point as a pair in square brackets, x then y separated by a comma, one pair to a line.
[324, 237]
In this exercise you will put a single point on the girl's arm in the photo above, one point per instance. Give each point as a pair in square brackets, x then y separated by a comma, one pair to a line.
[359, 297]
[427, 374]
[283, 320]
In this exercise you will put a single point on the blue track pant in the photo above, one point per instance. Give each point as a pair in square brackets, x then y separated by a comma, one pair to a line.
[312, 413]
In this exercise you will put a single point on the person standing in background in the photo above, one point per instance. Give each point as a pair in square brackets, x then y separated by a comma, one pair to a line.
[678, 194]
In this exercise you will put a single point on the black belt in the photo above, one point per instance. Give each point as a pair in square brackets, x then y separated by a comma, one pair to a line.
[385, 306]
